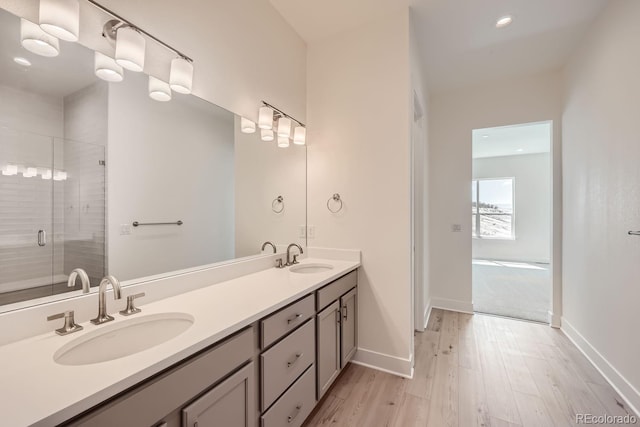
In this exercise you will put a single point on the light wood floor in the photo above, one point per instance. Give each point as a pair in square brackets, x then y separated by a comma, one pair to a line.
[474, 371]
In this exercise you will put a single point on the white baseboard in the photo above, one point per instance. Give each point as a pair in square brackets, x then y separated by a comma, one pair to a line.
[624, 388]
[384, 362]
[452, 305]
[427, 313]
[555, 321]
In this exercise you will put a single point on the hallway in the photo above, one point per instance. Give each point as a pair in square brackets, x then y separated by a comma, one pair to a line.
[475, 371]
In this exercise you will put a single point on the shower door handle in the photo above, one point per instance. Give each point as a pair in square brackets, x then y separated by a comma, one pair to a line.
[42, 238]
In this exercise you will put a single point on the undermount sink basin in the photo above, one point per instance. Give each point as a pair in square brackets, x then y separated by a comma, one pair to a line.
[110, 342]
[311, 268]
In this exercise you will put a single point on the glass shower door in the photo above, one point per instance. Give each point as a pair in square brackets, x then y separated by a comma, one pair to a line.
[26, 216]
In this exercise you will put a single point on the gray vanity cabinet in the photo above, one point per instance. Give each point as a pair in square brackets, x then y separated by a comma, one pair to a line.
[230, 404]
[328, 342]
[348, 325]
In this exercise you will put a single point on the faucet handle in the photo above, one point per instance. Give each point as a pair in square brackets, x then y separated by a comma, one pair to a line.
[295, 259]
[70, 325]
[131, 308]
[279, 263]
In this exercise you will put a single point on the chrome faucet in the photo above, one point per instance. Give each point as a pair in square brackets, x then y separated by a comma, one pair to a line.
[264, 245]
[84, 279]
[294, 260]
[103, 317]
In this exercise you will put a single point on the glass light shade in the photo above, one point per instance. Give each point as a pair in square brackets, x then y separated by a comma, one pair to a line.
[283, 141]
[247, 126]
[130, 49]
[61, 18]
[181, 77]
[35, 40]
[299, 135]
[30, 172]
[107, 68]
[159, 90]
[265, 118]
[59, 175]
[284, 127]
[46, 174]
[10, 170]
[266, 135]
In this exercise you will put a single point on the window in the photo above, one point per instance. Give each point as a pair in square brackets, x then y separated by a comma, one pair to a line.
[492, 208]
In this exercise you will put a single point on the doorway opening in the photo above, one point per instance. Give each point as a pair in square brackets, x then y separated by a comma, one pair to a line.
[511, 221]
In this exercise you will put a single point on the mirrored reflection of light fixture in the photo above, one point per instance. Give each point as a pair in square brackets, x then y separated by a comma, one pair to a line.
[10, 170]
[107, 68]
[59, 175]
[283, 141]
[35, 40]
[130, 48]
[30, 172]
[299, 135]
[60, 18]
[284, 127]
[247, 126]
[181, 77]
[159, 90]
[265, 118]
[22, 61]
[46, 174]
[266, 135]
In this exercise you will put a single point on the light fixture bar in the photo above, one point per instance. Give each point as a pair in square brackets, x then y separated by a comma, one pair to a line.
[277, 110]
[115, 15]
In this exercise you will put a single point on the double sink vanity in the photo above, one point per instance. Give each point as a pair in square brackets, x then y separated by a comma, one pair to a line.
[257, 350]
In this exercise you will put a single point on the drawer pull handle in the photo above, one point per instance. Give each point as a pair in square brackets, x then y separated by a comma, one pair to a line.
[295, 413]
[346, 312]
[295, 359]
[294, 318]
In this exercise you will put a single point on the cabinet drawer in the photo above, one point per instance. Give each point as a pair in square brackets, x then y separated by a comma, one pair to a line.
[295, 405]
[285, 361]
[149, 402]
[336, 289]
[285, 320]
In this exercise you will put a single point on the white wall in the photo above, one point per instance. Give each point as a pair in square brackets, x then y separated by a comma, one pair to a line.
[263, 171]
[532, 199]
[190, 178]
[359, 146]
[243, 50]
[601, 150]
[26, 111]
[452, 117]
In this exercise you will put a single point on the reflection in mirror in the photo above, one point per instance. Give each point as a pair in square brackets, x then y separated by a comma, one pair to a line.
[82, 160]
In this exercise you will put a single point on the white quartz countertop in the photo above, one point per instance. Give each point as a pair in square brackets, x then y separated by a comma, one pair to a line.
[38, 391]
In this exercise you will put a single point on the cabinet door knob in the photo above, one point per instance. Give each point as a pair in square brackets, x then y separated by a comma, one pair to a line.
[295, 359]
[293, 318]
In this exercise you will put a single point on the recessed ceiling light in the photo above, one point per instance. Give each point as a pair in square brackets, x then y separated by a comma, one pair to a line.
[520, 150]
[485, 136]
[504, 21]
[22, 61]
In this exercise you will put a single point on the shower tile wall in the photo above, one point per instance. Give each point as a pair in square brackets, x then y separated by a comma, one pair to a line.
[85, 120]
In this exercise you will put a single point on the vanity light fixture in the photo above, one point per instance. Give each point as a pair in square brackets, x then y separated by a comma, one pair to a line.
[107, 68]
[10, 170]
[265, 118]
[266, 135]
[35, 40]
[60, 18]
[30, 172]
[284, 127]
[181, 77]
[22, 61]
[504, 21]
[247, 126]
[46, 174]
[59, 175]
[299, 135]
[130, 48]
[159, 90]
[283, 141]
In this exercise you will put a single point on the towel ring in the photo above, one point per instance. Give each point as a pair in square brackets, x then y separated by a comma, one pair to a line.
[277, 201]
[336, 198]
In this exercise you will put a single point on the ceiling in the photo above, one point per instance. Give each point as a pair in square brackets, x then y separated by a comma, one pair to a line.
[531, 138]
[459, 44]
